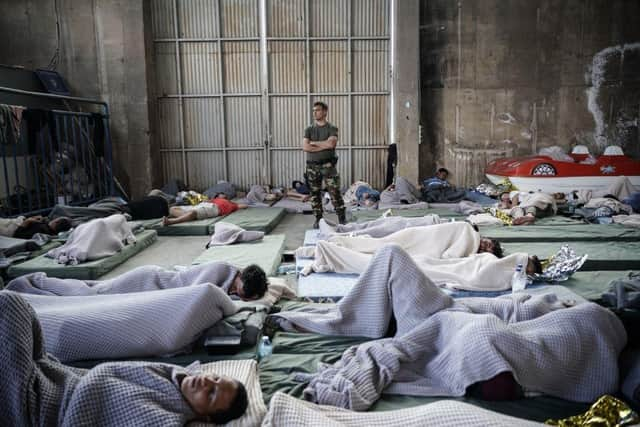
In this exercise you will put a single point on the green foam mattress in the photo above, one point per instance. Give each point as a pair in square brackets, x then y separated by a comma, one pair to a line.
[604, 255]
[566, 233]
[294, 353]
[86, 271]
[266, 253]
[200, 227]
[259, 219]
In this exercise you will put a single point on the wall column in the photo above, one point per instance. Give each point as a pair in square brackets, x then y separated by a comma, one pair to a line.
[405, 85]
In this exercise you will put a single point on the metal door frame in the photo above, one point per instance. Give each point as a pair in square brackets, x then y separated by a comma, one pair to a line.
[263, 39]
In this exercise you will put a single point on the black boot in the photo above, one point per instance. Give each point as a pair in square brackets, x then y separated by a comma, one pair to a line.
[316, 224]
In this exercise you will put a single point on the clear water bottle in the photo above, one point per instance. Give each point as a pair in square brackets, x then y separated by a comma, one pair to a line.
[519, 279]
[265, 349]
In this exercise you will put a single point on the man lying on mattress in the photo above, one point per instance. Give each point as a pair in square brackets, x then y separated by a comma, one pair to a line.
[247, 284]
[37, 390]
[429, 344]
[450, 254]
[524, 208]
[218, 206]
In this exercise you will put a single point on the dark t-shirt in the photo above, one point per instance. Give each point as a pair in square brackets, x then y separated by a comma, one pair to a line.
[321, 133]
[148, 208]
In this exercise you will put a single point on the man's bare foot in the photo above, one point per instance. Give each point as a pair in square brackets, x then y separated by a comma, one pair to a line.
[524, 220]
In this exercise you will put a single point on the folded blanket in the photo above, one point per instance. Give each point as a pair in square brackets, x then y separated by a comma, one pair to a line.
[484, 219]
[442, 346]
[128, 325]
[226, 234]
[95, 239]
[285, 410]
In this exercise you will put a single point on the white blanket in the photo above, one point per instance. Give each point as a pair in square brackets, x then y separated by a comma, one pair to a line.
[380, 227]
[99, 238]
[226, 234]
[446, 253]
[632, 220]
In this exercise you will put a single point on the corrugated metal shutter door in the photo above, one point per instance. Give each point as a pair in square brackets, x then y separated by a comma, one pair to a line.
[236, 80]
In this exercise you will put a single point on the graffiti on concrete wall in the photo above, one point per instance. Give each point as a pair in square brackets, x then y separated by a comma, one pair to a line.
[622, 123]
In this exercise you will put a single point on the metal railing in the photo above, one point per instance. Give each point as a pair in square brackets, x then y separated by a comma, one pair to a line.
[58, 157]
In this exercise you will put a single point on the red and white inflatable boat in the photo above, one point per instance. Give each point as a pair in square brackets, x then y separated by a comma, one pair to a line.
[577, 171]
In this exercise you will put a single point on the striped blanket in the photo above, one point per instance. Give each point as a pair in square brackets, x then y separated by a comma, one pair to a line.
[136, 324]
[443, 345]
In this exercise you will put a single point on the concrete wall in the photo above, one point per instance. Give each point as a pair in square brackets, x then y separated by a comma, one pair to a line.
[501, 77]
[102, 55]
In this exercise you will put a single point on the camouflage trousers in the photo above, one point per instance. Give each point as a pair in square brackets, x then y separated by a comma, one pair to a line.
[316, 173]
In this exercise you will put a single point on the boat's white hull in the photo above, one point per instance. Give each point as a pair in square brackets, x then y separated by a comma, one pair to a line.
[562, 185]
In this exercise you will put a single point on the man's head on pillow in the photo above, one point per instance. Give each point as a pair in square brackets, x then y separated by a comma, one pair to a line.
[215, 398]
[490, 245]
[251, 284]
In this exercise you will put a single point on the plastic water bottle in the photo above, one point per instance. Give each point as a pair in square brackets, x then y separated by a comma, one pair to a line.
[265, 349]
[519, 279]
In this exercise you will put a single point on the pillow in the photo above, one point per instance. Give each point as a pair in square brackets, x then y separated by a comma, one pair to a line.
[245, 371]
[277, 289]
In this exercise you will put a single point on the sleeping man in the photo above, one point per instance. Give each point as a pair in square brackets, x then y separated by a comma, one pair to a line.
[524, 208]
[218, 206]
[429, 344]
[451, 254]
[247, 284]
[37, 390]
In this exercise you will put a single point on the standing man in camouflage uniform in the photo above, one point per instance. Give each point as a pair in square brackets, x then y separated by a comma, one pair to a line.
[320, 140]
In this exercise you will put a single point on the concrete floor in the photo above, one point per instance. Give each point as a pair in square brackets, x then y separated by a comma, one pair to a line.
[169, 251]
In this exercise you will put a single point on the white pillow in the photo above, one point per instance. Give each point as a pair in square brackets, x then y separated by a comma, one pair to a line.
[245, 371]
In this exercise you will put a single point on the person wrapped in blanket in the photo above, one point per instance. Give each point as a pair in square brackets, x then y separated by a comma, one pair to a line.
[218, 206]
[38, 390]
[248, 284]
[426, 343]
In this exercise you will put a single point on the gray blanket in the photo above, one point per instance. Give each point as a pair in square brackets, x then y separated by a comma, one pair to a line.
[288, 411]
[225, 233]
[128, 325]
[403, 192]
[80, 214]
[145, 278]
[41, 391]
[442, 345]
[98, 238]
